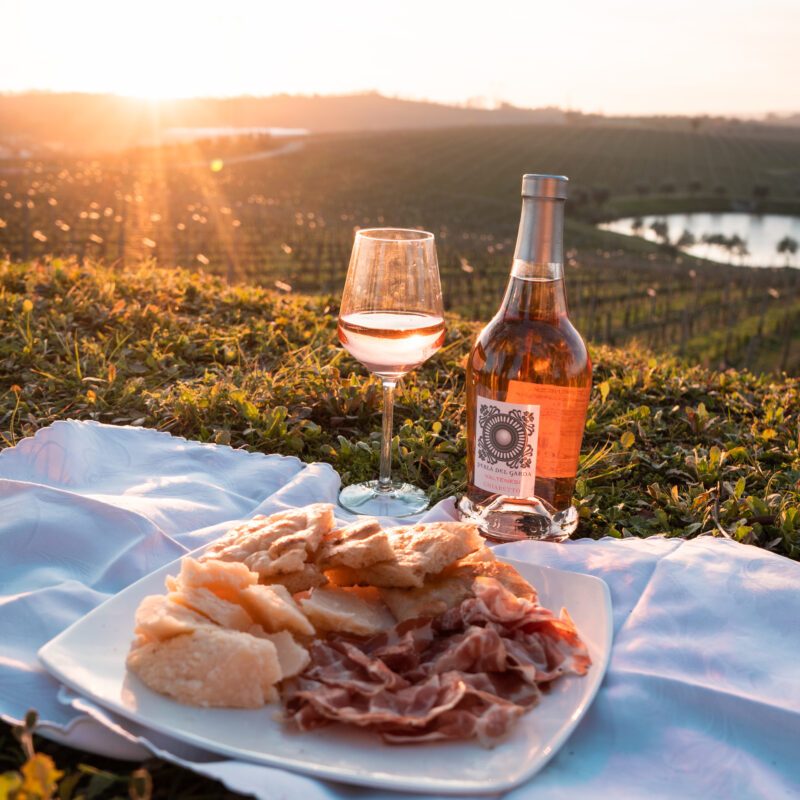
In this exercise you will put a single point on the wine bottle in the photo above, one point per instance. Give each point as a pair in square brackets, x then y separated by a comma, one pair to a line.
[528, 382]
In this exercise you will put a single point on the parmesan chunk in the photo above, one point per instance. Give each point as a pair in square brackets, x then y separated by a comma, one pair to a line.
[292, 657]
[274, 609]
[223, 578]
[157, 618]
[210, 667]
[204, 601]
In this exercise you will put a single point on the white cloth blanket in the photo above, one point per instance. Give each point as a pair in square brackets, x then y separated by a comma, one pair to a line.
[702, 697]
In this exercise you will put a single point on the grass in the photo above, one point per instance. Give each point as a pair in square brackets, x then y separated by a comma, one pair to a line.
[670, 447]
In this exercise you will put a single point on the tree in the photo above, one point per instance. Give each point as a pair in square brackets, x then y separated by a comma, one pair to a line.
[637, 225]
[661, 230]
[760, 192]
[738, 246]
[686, 239]
[580, 197]
[695, 186]
[668, 187]
[642, 189]
[714, 240]
[789, 246]
[600, 195]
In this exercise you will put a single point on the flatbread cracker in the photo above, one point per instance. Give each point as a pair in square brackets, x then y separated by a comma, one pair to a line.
[358, 545]
[260, 534]
[419, 550]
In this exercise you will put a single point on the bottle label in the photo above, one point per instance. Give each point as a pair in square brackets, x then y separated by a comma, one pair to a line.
[536, 431]
[505, 451]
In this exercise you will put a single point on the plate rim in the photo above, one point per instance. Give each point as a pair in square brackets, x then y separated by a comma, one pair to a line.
[374, 779]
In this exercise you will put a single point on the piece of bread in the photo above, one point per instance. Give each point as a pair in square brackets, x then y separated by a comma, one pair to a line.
[468, 568]
[362, 528]
[267, 566]
[210, 667]
[357, 611]
[307, 540]
[484, 553]
[453, 585]
[306, 578]
[418, 550]
[434, 598]
[157, 619]
[259, 534]
[358, 545]
[274, 609]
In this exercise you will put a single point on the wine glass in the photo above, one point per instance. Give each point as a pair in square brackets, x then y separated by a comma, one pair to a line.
[391, 320]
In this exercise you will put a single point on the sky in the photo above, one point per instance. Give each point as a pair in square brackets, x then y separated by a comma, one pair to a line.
[609, 56]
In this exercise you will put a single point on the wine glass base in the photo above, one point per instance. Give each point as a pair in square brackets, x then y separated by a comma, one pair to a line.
[402, 500]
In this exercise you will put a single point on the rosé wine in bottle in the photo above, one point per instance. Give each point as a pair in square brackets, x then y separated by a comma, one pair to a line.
[528, 382]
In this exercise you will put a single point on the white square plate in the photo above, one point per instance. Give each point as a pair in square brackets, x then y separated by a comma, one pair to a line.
[89, 657]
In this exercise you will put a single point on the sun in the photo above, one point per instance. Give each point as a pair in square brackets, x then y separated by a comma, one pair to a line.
[142, 83]
[154, 93]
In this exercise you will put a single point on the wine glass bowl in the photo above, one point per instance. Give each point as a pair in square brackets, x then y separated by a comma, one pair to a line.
[391, 320]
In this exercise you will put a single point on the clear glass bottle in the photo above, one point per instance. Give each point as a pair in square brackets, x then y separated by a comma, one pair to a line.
[528, 382]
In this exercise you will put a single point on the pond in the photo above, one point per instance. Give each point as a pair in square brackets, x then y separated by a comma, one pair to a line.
[192, 134]
[714, 236]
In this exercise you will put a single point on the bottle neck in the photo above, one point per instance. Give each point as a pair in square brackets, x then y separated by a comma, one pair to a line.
[539, 253]
[536, 287]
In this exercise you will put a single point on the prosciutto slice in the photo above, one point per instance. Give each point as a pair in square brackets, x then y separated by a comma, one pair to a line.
[468, 673]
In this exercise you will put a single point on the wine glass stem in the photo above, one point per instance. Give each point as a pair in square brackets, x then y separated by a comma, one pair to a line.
[385, 479]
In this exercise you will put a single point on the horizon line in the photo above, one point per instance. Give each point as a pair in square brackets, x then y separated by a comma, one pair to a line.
[469, 104]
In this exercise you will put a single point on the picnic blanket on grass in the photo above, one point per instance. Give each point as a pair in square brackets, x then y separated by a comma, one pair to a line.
[702, 696]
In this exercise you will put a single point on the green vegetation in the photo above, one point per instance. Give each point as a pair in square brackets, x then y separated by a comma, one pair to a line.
[670, 448]
[288, 221]
[245, 366]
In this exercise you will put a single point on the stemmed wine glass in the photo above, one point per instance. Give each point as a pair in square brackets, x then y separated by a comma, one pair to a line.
[391, 320]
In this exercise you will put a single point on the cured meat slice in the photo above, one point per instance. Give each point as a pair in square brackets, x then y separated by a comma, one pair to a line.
[476, 650]
[411, 706]
[469, 673]
[480, 715]
[342, 665]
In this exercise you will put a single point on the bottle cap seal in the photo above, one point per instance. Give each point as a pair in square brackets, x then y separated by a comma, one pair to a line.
[546, 186]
